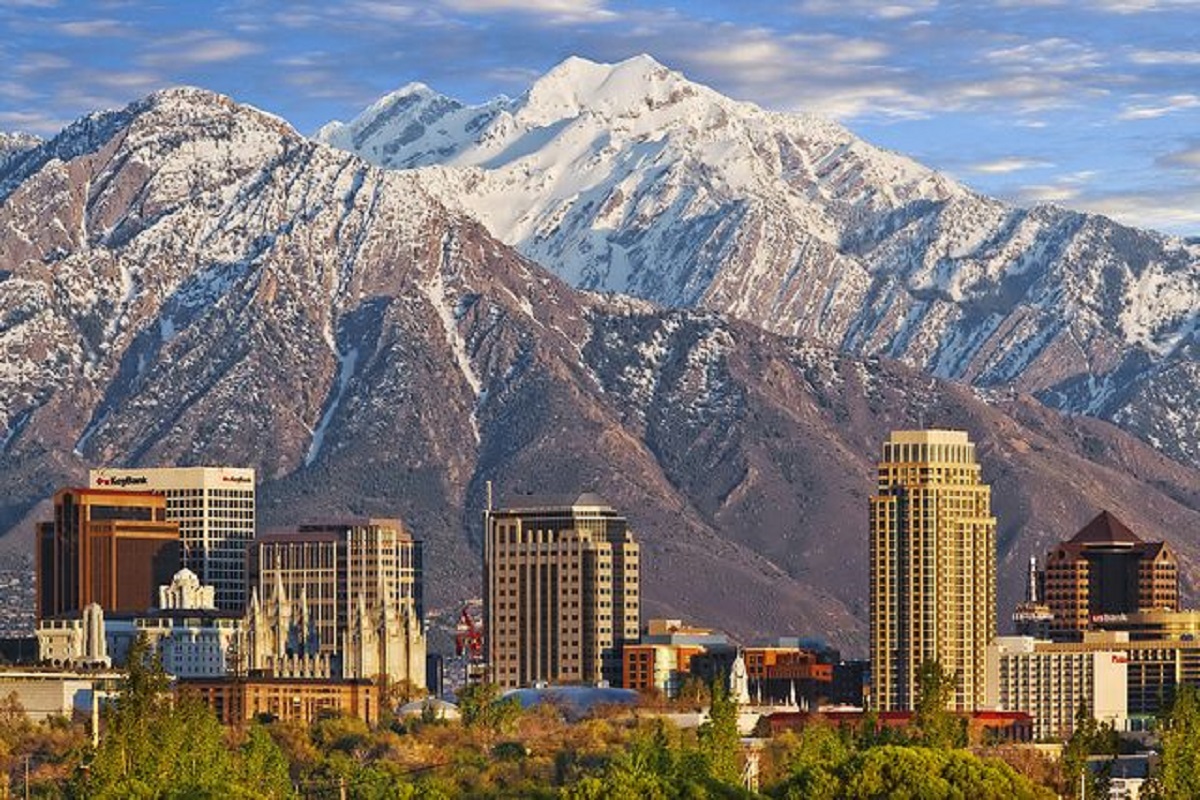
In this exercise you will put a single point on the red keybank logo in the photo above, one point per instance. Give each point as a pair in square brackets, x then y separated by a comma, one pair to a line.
[235, 479]
[123, 481]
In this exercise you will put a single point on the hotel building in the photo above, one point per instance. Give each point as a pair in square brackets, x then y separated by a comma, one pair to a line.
[214, 507]
[1052, 683]
[561, 591]
[932, 568]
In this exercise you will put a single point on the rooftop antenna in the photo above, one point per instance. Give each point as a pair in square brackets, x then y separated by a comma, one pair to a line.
[490, 507]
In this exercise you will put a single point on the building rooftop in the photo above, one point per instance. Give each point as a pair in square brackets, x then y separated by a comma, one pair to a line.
[929, 436]
[1105, 528]
[590, 501]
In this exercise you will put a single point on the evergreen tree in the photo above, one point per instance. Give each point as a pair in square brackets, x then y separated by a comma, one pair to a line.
[720, 741]
[937, 727]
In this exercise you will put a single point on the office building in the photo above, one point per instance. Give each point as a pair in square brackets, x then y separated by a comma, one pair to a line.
[1052, 683]
[339, 599]
[1105, 570]
[932, 568]
[112, 548]
[662, 657]
[214, 507]
[561, 591]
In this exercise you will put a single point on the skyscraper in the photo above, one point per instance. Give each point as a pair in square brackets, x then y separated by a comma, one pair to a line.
[561, 591]
[214, 507]
[932, 568]
[1106, 570]
[107, 547]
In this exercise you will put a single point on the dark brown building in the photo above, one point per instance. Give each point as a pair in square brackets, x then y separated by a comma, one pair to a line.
[105, 546]
[1104, 571]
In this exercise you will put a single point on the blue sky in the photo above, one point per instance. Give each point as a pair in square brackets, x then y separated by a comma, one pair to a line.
[1092, 105]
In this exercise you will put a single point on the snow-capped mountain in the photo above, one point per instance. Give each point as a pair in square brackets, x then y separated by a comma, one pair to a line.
[13, 145]
[190, 281]
[630, 178]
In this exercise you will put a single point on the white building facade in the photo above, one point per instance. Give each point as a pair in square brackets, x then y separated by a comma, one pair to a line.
[214, 507]
[193, 639]
[1052, 682]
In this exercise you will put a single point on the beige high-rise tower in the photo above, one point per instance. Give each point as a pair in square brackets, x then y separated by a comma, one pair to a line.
[560, 582]
[933, 568]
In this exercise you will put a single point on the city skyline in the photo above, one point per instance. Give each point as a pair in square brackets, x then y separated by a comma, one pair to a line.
[1090, 106]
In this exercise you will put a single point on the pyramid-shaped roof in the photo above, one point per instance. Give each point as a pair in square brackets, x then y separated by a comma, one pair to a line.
[1105, 528]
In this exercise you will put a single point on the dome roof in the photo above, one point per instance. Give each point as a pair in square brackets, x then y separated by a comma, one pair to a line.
[185, 577]
[441, 709]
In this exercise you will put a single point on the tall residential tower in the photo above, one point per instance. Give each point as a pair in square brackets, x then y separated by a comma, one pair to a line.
[932, 568]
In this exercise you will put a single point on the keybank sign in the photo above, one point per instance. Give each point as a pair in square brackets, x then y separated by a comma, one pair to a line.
[123, 481]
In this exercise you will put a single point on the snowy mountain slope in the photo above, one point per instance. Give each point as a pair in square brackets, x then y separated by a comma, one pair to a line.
[189, 281]
[630, 178]
[13, 145]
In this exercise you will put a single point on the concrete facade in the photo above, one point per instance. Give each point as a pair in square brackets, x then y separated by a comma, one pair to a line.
[561, 592]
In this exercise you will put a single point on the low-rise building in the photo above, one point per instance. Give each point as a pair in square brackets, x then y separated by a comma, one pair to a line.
[193, 639]
[45, 694]
[662, 657]
[236, 701]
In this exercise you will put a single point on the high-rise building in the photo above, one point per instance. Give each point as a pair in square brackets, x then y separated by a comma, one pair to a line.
[932, 568]
[1105, 570]
[214, 507]
[342, 598]
[561, 591]
[112, 548]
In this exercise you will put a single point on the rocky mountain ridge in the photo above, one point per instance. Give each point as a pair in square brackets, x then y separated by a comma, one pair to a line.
[190, 281]
[630, 178]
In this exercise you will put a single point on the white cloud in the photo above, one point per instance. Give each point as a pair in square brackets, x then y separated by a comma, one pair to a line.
[1055, 54]
[1174, 210]
[34, 63]
[1186, 159]
[1158, 57]
[1005, 165]
[31, 122]
[95, 28]
[384, 11]
[867, 8]
[528, 6]
[1048, 193]
[1167, 105]
[202, 49]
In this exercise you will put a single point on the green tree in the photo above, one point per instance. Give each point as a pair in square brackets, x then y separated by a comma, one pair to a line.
[481, 706]
[1089, 738]
[937, 726]
[814, 762]
[1180, 737]
[263, 766]
[720, 742]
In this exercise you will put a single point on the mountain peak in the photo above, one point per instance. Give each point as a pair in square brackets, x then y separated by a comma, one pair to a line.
[578, 84]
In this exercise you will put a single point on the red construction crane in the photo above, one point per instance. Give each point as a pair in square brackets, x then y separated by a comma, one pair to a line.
[468, 637]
